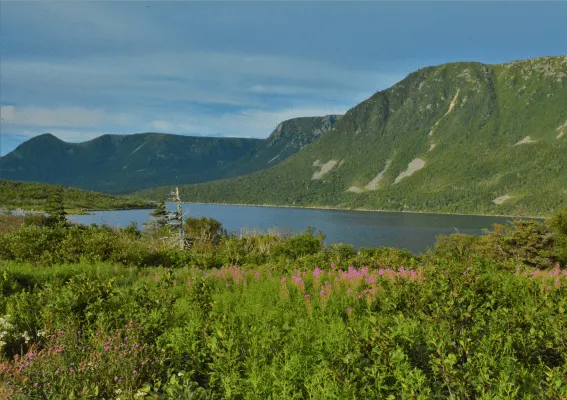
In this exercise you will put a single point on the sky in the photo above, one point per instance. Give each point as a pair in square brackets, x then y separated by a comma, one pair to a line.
[83, 69]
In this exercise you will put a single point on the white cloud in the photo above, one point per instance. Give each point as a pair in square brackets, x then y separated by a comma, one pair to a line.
[218, 78]
[162, 92]
[254, 123]
[60, 117]
[162, 126]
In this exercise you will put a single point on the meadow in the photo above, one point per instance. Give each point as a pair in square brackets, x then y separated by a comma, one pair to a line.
[96, 312]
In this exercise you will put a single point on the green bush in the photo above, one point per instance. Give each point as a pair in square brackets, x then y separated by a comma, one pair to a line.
[298, 246]
[448, 329]
[531, 243]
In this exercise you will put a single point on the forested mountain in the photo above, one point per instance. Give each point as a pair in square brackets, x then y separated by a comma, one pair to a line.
[460, 137]
[124, 163]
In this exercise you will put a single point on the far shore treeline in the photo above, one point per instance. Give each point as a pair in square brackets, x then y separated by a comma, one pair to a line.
[35, 197]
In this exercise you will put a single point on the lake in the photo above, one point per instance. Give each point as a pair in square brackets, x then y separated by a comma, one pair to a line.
[411, 231]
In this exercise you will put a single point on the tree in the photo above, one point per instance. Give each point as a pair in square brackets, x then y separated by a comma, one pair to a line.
[55, 209]
[160, 215]
[176, 220]
[204, 230]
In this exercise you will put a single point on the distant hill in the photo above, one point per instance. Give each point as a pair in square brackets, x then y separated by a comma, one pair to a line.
[125, 163]
[461, 137]
[34, 196]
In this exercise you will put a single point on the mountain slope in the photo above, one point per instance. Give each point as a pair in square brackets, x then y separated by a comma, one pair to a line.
[124, 163]
[460, 137]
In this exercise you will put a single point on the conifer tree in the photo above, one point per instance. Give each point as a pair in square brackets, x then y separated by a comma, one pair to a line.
[160, 215]
[55, 208]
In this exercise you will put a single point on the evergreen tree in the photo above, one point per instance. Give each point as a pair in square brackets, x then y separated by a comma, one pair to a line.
[160, 215]
[55, 209]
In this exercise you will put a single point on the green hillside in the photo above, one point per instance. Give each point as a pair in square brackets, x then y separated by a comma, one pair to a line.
[460, 137]
[124, 163]
[34, 196]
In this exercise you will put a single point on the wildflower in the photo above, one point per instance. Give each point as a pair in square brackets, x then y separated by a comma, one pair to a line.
[134, 372]
[282, 281]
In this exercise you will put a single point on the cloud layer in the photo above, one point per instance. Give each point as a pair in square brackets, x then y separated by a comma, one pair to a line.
[80, 69]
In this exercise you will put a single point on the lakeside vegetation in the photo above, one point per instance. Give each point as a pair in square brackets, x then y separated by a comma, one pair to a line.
[101, 312]
[36, 196]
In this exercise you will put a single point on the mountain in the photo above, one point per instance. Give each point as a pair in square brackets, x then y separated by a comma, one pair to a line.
[461, 137]
[34, 196]
[124, 163]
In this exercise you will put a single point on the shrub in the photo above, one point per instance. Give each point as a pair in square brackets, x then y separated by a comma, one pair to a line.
[298, 246]
[204, 230]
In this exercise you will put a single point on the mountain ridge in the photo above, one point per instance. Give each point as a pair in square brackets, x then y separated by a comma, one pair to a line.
[461, 137]
[124, 163]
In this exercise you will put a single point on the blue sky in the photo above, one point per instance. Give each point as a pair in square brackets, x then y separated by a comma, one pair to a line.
[79, 70]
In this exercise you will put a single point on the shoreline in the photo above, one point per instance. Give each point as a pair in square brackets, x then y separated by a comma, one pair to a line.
[364, 210]
[330, 208]
[72, 211]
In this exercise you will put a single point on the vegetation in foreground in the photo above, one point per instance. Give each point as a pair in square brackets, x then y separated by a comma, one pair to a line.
[36, 196]
[86, 312]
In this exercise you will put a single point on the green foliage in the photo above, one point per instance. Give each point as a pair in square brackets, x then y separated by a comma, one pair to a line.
[80, 318]
[204, 231]
[527, 242]
[299, 246]
[160, 215]
[159, 223]
[475, 159]
[112, 163]
[55, 209]
[449, 329]
[558, 225]
[10, 222]
[50, 198]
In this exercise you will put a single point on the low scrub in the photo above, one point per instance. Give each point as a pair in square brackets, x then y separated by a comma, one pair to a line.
[96, 312]
[447, 330]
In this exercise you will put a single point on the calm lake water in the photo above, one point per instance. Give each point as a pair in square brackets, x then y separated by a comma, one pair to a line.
[415, 232]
